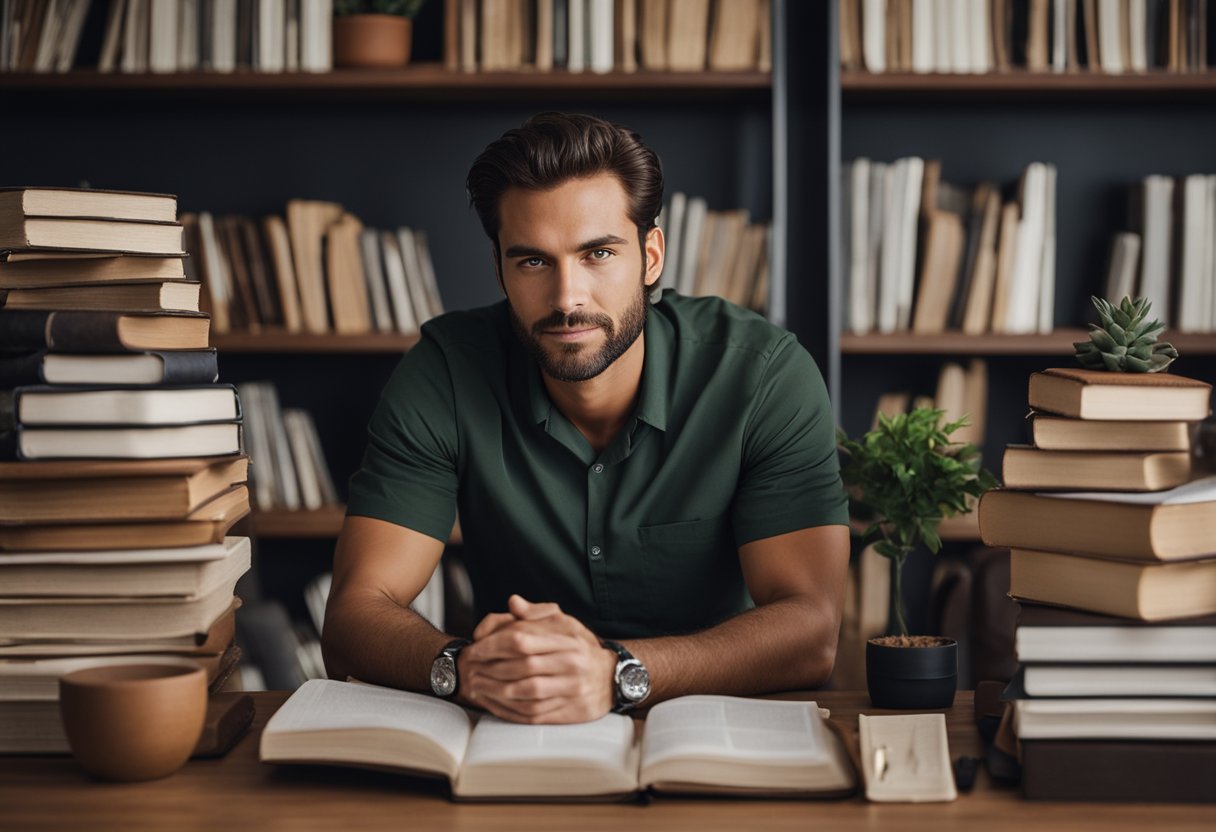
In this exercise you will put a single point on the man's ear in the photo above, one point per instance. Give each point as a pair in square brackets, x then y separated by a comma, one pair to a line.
[654, 249]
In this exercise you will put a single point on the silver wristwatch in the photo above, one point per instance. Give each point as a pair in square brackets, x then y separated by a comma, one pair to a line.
[631, 680]
[444, 678]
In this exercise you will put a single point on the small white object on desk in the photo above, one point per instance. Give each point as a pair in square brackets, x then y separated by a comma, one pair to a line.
[906, 759]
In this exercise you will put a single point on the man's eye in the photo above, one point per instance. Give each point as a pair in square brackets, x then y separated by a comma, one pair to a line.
[532, 263]
[601, 254]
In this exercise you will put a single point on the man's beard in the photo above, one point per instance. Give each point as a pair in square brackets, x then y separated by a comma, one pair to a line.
[566, 362]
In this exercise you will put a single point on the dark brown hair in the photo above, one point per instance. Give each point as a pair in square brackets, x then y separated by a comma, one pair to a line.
[549, 149]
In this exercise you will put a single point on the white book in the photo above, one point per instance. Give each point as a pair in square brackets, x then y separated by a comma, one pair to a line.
[694, 226]
[861, 302]
[329, 494]
[415, 283]
[1022, 310]
[1158, 229]
[287, 493]
[691, 744]
[223, 35]
[394, 274]
[316, 25]
[257, 444]
[1110, 36]
[889, 248]
[291, 36]
[1059, 36]
[1080, 680]
[875, 224]
[430, 281]
[943, 39]
[673, 228]
[215, 273]
[874, 35]
[53, 14]
[1193, 271]
[923, 35]
[382, 313]
[1134, 642]
[1124, 267]
[301, 456]
[600, 29]
[909, 217]
[135, 37]
[576, 54]
[69, 40]
[272, 35]
[981, 38]
[1176, 719]
[188, 58]
[113, 39]
[1136, 22]
[960, 35]
[162, 40]
[1047, 268]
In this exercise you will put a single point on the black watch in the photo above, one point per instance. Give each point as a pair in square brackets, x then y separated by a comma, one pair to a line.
[631, 680]
[444, 678]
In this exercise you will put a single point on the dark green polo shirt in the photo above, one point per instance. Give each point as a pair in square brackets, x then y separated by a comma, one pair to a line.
[732, 441]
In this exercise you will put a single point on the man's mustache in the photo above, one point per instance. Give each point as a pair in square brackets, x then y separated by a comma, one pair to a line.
[572, 320]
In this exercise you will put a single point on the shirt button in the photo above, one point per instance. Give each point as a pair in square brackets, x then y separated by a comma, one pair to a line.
[598, 468]
[595, 551]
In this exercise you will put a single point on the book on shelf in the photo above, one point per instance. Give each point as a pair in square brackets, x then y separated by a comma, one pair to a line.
[1122, 269]
[146, 368]
[89, 331]
[78, 490]
[1115, 719]
[1119, 680]
[1176, 524]
[1063, 434]
[1099, 395]
[142, 297]
[1050, 634]
[86, 203]
[345, 278]
[122, 406]
[183, 572]
[695, 744]
[211, 640]
[1035, 468]
[289, 471]
[20, 271]
[1148, 591]
[1118, 771]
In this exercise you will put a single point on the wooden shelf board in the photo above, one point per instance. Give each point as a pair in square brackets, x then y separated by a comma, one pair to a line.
[324, 522]
[419, 81]
[277, 341]
[1039, 86]
[1057, 343]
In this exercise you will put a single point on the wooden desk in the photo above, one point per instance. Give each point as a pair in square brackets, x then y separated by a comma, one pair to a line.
[238, 792]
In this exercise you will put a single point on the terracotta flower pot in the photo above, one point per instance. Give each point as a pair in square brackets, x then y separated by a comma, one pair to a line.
[372, 40]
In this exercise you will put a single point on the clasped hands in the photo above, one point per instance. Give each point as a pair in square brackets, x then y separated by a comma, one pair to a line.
[536, 664]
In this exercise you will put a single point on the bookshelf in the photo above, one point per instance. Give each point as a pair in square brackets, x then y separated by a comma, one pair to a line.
[235, 343]
[1058, 343]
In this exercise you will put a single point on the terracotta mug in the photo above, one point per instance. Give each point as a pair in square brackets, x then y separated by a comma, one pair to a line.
[136, 721]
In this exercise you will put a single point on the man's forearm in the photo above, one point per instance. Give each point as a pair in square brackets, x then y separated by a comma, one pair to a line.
[783, 645]
[376, 640]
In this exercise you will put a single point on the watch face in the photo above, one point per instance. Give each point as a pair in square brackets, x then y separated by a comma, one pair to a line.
[635, 682]
[443, 676]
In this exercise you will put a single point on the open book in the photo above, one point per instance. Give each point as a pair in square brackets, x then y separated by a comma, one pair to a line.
[693, 744]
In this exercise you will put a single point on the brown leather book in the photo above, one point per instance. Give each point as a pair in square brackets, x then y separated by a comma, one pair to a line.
[229, 716]
[1122, 771]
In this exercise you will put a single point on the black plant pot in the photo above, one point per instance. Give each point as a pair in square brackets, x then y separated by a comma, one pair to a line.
[920, 678]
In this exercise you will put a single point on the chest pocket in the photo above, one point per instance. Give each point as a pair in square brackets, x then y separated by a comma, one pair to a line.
[693, 579]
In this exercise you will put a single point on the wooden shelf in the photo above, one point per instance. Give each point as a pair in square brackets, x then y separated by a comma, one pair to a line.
[1030, 86]
[423, 81]
[324, 522]
[1057, 343]
[277, 341]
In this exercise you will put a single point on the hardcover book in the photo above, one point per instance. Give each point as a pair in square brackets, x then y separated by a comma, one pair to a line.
[1091, 394]
[163, 367]
[696, 744]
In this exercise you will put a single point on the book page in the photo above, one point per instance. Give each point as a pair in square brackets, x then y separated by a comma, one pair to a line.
[1196, 491]
[327, 705]
[735, 728]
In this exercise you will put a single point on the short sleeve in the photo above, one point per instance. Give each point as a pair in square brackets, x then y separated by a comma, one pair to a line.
[408, 475]
[790, 474]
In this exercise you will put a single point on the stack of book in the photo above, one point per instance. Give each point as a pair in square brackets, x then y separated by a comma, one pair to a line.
[316, 270]
[126, 469]
[923, 255]
[606, 36]
[1112, 539]
[715, 252]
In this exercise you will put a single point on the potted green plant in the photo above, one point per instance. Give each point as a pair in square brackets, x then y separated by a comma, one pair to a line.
[373, 33]
[907, 475]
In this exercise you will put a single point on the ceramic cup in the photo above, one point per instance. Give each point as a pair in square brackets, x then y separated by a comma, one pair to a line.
[135, 721]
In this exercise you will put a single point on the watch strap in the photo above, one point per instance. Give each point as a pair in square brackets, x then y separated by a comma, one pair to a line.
[621, 703]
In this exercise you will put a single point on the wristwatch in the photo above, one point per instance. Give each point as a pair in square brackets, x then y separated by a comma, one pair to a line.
[631, 680]
[444, 678]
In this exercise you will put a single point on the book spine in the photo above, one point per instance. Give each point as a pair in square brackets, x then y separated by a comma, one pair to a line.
[25, 330]
[22, 369]
[1119, 771]
[189, 366]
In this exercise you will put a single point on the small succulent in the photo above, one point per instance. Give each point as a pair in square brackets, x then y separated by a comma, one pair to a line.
[405, 8]
[1125, 342]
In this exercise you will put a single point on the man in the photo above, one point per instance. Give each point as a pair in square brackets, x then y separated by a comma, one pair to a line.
[663, 474]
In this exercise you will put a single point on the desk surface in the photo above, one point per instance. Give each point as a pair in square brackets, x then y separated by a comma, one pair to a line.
[237, 792]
